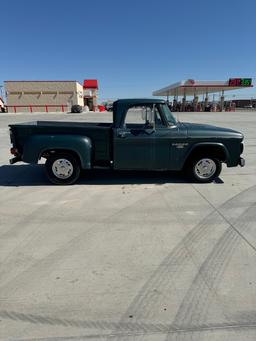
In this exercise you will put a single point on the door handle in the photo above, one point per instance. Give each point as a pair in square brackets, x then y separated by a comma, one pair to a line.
[123, 134]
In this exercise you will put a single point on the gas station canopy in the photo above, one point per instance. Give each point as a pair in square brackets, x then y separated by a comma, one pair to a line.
[192, 87]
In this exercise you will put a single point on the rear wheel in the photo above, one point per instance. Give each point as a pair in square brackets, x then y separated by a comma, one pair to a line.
[62, 169]
[204, 169]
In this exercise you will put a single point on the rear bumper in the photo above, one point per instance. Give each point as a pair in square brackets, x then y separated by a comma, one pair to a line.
[241, 162]
[15, 159]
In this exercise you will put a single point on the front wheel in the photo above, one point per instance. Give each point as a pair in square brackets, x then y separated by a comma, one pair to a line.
[204, 169]
[62, 169]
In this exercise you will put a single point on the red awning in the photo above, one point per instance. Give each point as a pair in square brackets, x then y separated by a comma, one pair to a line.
[90, 84]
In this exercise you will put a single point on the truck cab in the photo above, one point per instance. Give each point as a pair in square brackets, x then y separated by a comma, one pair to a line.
[143, 135]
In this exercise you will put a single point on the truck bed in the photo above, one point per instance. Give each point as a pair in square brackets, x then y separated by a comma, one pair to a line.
[100, 134]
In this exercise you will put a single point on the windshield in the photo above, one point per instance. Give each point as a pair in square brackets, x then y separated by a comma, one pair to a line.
[168, 115]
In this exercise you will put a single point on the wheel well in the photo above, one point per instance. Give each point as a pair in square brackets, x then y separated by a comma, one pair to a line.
[46, 153]
[217, 152]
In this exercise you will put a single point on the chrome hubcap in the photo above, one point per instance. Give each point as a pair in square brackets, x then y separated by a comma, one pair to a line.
[205, 168]
[62, 168]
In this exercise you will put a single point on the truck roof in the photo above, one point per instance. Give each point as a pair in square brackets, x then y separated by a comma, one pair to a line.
[122, 105]
[132, 101]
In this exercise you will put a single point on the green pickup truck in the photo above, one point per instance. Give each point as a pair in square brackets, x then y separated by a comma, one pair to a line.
[144, 135]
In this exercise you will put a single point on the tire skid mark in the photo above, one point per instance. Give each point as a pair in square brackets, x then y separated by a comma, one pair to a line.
[164, 267]
[121, 328]
[23, 223]
[205, 277]
[145, 301]
[34, 213]
[170, 278]
[188, 244]
[29, 236]
[18, 195]
[187, 315]
[99, 325]
[195, 305]
[57, 256]
[175, 263]
[10, 194]
[173, 266]
[229, 222]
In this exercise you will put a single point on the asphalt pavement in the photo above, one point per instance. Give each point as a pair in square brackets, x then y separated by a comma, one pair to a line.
[128, 256]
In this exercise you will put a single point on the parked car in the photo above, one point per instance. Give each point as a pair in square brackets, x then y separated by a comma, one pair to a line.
[76, 109]
[3, 107]
[144, 135]
[109, 106]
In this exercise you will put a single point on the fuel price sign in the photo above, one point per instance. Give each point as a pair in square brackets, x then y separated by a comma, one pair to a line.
[240, 82]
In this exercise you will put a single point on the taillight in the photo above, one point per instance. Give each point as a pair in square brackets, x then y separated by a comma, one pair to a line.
[14, 151]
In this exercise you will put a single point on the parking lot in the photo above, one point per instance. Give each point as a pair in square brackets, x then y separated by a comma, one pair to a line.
[128, 256]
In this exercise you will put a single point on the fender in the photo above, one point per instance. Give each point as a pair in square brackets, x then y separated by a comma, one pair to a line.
[205, 145]
[36, 145]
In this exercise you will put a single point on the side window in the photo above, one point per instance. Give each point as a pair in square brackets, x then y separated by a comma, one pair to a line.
[138, 117]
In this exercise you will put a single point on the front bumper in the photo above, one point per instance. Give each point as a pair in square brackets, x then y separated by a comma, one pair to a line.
[242, 162]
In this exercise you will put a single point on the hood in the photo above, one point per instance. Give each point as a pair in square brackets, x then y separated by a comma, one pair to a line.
[206, 130]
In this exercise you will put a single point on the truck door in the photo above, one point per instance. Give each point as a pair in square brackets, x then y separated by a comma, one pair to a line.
[170, 142]
[134, 140]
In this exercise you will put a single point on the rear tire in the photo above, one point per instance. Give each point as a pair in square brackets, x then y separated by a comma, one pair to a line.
[62, 169]
[204, 169]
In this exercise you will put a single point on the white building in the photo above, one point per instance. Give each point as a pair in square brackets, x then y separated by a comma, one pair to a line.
[43, 96]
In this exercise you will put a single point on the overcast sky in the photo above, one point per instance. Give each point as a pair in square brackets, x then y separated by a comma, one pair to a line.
[132, 47]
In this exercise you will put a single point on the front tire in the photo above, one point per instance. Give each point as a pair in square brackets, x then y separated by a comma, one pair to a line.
[62, 169]
[204, 169]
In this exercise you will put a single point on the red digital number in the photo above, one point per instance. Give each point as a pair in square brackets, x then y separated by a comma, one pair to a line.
[235, 82]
